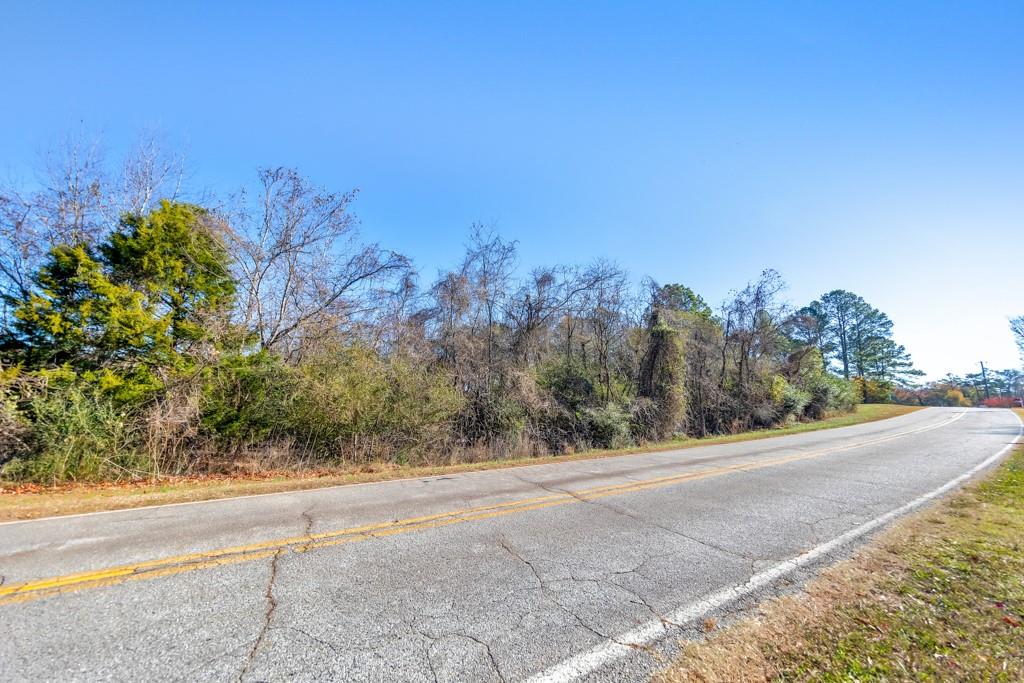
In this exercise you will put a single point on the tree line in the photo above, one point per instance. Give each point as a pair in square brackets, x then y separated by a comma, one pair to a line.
[986, 387]
[144, 335]
[992, 388]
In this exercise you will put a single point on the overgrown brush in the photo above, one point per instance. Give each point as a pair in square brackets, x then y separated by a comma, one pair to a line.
[179, 340]
[76, 435]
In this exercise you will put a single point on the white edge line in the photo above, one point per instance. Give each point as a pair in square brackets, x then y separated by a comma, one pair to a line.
[408, 479]
[619, 647]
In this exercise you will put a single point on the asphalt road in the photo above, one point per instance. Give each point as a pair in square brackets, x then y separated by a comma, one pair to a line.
[579, 570]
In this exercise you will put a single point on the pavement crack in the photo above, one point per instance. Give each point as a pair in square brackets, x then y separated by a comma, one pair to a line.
[326, 643]
[751, 561]
[643, 601]
[267, 616]
[643, 520]
[432, 641]
[430, 661]
[543, 585]
[490, 655]
[307, 531]
[639, 599]
[511, 551]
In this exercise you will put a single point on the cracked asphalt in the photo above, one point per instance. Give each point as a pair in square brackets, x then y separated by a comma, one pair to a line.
[538, 565]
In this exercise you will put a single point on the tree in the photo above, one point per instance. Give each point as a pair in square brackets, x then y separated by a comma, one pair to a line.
[133, 306]
[858, 337]
[176, 257]
[807, 328]
[69, 208]
[754, 323]
[675, 298]
[834, 312]
[606, 323]
[78, 316]
[301, 269]
[76, 203]
[1017, 327]
[488, 270]
[663, 367]
[148, 174]
[543, 298]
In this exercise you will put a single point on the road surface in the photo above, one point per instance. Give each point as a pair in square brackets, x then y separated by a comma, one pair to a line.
[591, 569]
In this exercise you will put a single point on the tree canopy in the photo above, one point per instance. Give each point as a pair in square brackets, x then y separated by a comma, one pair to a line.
[856, 338]
[134, 305]
[145, 333]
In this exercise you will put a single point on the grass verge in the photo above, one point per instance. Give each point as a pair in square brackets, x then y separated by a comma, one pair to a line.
[20, 501]
[940, 596]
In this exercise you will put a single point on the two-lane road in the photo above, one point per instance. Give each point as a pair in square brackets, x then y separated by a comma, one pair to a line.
[549, 571]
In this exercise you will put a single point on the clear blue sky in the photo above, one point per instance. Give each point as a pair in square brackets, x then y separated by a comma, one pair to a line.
[877, 147]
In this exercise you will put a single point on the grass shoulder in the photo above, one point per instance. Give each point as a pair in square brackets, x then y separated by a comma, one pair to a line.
[20, 501]
[940, 596]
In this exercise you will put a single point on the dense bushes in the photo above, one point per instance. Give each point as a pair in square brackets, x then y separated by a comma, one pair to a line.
[344, 404]
[76, 434]
[180, 340]
[246, 399]
[15, 429]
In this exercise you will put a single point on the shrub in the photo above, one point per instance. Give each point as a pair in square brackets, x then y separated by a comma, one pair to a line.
[490, 418]
[828, 393]
[607, 426]
[873, 390]
[790, 401]
[345, 399]
[956, 398]
[1000, 402]
[246, 398]
[15, 430]
[568, 382]
[354, 397]
[77, 435]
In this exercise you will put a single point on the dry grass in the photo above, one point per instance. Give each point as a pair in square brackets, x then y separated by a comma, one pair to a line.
[20, 501]
[938, 597]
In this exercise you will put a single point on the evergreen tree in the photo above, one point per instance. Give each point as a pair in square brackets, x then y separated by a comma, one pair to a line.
[130, 307]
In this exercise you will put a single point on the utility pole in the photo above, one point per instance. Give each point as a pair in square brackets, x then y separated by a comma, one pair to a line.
[984, 378]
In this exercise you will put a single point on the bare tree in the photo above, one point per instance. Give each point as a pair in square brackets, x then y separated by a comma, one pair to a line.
[150, 172]
[1017, 326]
[754, 320]
[487, 270]
[20, 247]
[72, 206]
[68, 207]
[547, 295]
[607, 322]
[300, 263]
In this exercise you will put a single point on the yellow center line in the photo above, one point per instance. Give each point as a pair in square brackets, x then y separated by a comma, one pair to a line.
[43, 588]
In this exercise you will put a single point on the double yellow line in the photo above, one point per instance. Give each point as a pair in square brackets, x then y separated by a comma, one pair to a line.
[44, 588]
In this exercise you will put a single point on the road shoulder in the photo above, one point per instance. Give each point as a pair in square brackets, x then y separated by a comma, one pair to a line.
[19, 502]
[937, 596]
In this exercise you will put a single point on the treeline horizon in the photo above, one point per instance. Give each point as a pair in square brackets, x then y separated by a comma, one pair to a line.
[145, 335]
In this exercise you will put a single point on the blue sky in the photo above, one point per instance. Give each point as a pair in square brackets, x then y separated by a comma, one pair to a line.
[866, 146]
